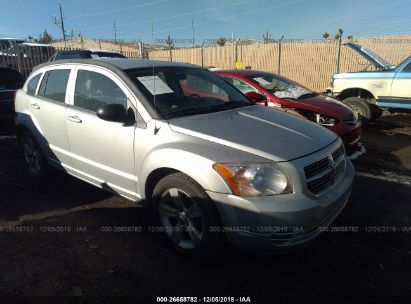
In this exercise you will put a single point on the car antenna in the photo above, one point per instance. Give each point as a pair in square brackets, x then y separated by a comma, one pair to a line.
[156, 127]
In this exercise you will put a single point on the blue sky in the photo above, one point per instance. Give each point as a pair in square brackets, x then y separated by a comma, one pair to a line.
[295, 19]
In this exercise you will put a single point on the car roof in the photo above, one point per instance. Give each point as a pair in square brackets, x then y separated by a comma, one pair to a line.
[73, 51]
[118, 66]
[104, 51]
[119, 63]
[244, 72]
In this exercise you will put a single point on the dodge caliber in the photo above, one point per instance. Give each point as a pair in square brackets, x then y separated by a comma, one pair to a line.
[214, 167]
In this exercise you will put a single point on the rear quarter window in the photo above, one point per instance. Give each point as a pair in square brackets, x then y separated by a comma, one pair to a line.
[54, 85]
[32, 85]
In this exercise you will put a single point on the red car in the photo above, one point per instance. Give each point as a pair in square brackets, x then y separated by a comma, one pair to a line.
[276, 91]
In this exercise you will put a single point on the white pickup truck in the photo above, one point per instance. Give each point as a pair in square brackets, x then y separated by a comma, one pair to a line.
[389, 87]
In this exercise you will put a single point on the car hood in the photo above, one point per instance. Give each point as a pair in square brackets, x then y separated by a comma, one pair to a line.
[327, 106]
[377, 61]
[261, 131]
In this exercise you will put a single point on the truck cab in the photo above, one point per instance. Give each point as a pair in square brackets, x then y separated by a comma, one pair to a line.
[368, 92]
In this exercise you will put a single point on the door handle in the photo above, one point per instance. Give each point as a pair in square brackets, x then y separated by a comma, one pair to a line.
[75, 119]
[35, 106]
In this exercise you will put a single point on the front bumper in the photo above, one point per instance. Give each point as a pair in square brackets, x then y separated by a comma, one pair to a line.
[284, 222]
[350, 135]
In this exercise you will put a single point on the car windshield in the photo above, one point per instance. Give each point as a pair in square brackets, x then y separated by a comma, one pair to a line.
[184, 91]
[281, 87]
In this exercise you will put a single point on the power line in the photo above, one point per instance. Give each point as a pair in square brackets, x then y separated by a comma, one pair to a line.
[168, 17]
[118, 10]
[220, 19]
[74, 2]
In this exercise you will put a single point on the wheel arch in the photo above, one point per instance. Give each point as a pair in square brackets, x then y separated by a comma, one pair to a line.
[167, 160]
[154, 177]
[357, 92]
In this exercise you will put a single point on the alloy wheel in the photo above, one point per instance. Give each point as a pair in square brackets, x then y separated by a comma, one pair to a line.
[181, 218]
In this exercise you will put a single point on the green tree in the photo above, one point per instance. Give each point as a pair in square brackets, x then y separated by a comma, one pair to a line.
[267, 37]
[339, 34]
[326, 35]
[221, 41]
[350, 37]
[170, 42]
[45, 37]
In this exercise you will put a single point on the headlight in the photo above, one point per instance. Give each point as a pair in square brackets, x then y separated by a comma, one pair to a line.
[255, 179]
[325, 120]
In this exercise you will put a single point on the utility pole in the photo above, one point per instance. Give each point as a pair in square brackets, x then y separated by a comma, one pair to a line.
[202, 54]
[279, 55]
[115, 32]
[192, 26]
[60, 24]
[337, 67]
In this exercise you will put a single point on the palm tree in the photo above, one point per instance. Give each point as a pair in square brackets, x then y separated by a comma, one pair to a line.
[339, 34]
[267, 37]
[326, 35]
[170, 42]
[221, 41]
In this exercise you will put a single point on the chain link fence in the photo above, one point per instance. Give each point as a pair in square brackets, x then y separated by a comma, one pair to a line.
[311, 63]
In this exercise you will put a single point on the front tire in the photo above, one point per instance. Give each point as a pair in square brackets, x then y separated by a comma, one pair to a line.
[362, 107]
[33, 156]
[187, 215]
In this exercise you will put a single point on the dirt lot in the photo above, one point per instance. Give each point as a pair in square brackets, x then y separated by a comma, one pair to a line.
[375, 261]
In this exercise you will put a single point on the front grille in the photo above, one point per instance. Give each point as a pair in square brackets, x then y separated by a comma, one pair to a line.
[323, 173]
[317, 167]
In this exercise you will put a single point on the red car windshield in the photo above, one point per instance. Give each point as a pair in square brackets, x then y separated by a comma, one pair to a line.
[281, 87]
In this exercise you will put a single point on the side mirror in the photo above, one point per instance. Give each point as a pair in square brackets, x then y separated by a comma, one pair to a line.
[112, 112]
[255, 97]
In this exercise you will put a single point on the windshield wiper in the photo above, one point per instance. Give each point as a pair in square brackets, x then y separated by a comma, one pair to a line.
[204, 110]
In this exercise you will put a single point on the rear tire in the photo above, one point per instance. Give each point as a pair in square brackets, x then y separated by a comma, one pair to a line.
[187, 215]
[33, 156]
[362, 107]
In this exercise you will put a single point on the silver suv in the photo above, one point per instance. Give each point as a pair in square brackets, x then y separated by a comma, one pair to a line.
[214, 166]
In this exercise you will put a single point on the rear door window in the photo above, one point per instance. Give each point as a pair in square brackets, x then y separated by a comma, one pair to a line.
[54, 85]
[94, 90]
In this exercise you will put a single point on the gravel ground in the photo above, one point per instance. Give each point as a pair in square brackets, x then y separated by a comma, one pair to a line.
[40, 256]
